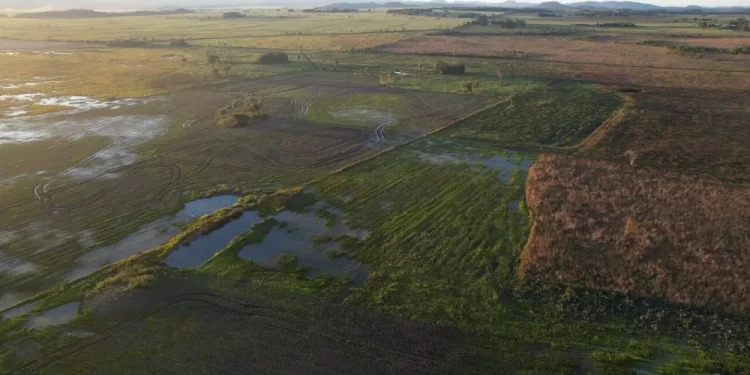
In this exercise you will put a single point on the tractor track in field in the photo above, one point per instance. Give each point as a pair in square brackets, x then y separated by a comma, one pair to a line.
[380, 131]
[306, 106]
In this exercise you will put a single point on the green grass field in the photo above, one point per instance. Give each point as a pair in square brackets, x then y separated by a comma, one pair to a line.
[560, 116]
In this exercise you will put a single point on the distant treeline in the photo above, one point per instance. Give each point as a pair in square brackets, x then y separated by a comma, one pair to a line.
[330, 10]
[506, 23]
[88, 13]
[696, 50]
[413, 11]
[613, 24]
[740, 24]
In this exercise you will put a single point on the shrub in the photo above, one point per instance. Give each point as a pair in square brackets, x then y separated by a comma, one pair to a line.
[241, 113]
[274, 58]
[213, 59]
[447, 68]
[471, 86]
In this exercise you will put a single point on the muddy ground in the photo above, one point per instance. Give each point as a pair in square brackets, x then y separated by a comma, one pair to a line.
[210, 331]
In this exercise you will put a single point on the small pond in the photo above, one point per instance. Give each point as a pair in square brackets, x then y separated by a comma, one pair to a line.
[149, 236]
[506, 165]
[19, 310]
[295, 236]
[59, 315]
[202, 249]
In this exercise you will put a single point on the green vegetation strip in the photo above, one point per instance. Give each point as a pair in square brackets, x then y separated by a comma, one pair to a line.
[561, 115]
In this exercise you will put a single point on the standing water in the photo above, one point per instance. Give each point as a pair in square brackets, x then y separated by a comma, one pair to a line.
[201, 250]
[52, 317]
[296, 237]
[149, 236]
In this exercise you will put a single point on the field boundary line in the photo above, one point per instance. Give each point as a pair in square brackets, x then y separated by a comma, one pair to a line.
[610, 124]
[417, 139]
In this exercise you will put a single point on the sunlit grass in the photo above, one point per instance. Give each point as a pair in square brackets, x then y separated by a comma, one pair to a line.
[344, 42]
[207, 26]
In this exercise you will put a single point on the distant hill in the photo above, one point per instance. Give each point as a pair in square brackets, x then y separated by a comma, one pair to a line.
[88, 13]
[371, 5]
[551, 5]
[614, 5]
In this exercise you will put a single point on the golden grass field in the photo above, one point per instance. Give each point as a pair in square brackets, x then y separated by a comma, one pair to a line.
[212, 26]
[337, 42]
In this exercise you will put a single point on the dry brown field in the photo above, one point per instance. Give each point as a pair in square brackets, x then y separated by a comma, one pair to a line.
[607, 51]
[639, 231]
[696, 132]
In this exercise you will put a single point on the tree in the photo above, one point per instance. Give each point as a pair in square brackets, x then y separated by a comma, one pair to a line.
[233, 15]
[482, 20]
[446, 68]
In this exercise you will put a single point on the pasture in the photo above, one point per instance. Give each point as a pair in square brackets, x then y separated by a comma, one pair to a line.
[573, 201]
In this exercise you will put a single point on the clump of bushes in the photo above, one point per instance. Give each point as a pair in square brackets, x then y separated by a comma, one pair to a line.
[233, 15]
[616, 24]
[656, 43]
[741, 50]
[448, 68]
[273, 58]
[689, 50]
[129, 43]
[471, 86]
[241, 112]
[213, 59]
